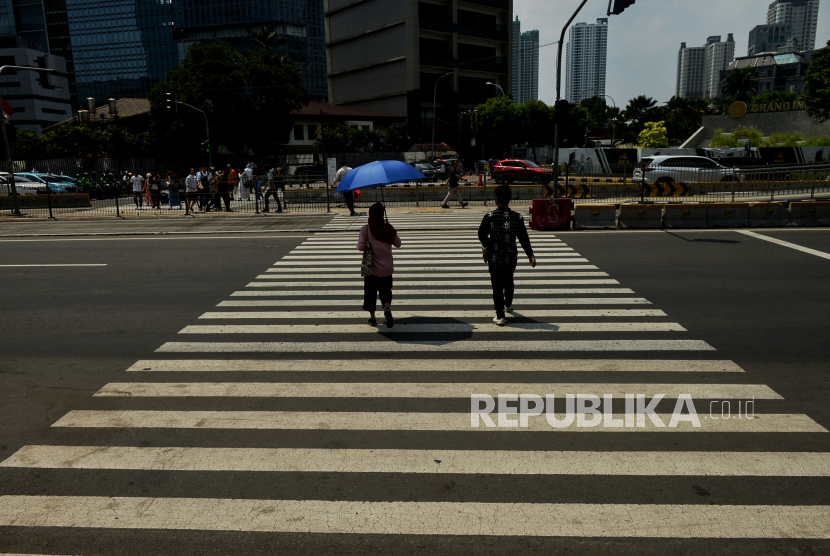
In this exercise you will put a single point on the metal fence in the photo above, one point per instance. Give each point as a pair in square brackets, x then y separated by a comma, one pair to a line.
[309, 194]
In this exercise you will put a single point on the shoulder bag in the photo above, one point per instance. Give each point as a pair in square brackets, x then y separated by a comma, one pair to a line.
[368, 264]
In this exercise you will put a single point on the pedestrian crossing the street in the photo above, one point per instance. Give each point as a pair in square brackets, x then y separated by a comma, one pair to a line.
[283, 385]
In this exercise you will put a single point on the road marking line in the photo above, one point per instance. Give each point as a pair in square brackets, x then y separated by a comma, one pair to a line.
[426, 282]
[431, 258]
[435, 346]
[419, 263]
[45, 265]
[484, 303]
[351, 251]
[434, 328]
[426, 390]
[423, 276]
[399, 315]
[488, 462]
[439, 365]
[428, 291]
[540, 269]
[376, 421]
[783, 243]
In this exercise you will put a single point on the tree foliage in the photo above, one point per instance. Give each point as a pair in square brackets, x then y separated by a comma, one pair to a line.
[248, 98]
[496, 123]
[774, 97]
[653, 136]
[344, 139]
[740, 84]
[816, 91]
[79, 141]
[536, 124]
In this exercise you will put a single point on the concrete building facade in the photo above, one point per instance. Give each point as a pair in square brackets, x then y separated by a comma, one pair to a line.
[587, 56]
[699, 68]
[35, 105]
[781, 70]
[767, 38]
[802, 14]
[525, 64]
[395, 56]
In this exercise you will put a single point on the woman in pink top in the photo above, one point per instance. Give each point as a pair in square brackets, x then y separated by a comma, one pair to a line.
[382, 236]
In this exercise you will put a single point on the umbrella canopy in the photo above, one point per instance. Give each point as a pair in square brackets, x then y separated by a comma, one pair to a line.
[377, 174]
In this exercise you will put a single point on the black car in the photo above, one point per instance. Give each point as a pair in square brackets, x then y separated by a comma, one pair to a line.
[740, 161]
[316, 171]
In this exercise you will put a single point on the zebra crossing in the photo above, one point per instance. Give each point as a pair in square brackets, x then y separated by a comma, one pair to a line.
[366, 400]
[418, 219]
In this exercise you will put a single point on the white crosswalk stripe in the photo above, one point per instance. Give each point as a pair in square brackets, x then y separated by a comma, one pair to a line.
[307, 322]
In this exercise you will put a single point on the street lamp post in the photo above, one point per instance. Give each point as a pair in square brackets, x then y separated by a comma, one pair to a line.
[613, 129]
[8, 153]
[207, 128]
[496, 86]
[434, 99]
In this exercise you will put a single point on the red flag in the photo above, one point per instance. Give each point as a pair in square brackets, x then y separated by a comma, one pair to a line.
[7, 108]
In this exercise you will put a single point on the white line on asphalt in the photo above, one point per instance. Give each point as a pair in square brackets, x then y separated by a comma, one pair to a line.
[434, 328]
[379, 421]
[543, 264]
[427, 291]
[436, 346]
[419, 518]
[486, 462]
[422, 275]
[432, 282]
[399, 315]
[520, 271]
[438, 365]
[243, 234]
[783, 243]
[427, 390]
[431, 258]
[45, 265]
[556, 251]
[484, 303]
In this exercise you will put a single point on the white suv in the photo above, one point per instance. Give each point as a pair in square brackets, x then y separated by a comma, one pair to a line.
[683, 169]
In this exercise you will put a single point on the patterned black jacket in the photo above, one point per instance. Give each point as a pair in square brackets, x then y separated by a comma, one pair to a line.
[498, 232]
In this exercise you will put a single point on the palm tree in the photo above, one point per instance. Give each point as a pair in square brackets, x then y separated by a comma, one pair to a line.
[740, 84]
[638, 110]
[267, 37]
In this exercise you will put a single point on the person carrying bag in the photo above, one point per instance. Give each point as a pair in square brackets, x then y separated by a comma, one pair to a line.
[376, 241]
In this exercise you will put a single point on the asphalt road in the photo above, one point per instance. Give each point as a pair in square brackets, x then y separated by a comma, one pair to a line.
[69, 331]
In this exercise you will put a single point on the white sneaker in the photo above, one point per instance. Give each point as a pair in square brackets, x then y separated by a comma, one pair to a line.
[508, 311]
[499, 321]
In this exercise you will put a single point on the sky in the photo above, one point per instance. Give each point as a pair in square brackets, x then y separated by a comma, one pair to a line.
[643, 41]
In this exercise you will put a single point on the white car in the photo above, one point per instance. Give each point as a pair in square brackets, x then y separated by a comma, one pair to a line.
[23, 185]
[683, 169]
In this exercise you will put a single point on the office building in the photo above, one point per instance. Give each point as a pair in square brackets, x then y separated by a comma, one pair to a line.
[586, 60]
[298, 22]
[767, 38]
[699, 68]
[121, 48]
[36, 104]
[779, 70]
[525, 64]
[396, 56]
[802, 14]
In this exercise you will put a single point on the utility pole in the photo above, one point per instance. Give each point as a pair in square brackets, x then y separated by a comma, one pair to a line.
[434, 98]
[12, 185]
[170, 103]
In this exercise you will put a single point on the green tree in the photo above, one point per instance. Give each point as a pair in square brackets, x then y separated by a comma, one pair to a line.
[248, 99]
[536, 125]
[774, 97]
[654, 136]
[496, 123]
[27, 145]
[816, 91]
[639, 111]
[684, 116]
[740, 84]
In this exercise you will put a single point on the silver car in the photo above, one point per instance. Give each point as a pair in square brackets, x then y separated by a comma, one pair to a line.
[683, 169]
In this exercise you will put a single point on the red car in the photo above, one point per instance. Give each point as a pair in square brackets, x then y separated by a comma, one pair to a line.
[509, 171]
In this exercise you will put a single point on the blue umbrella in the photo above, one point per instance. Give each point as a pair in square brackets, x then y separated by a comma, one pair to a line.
[378, 174]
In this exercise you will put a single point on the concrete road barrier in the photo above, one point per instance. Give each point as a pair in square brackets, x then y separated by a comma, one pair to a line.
[768, 215]
[37, 202]
[727, 215]
[595, 217]
[810, 213]
[641, 216]
[684, 216]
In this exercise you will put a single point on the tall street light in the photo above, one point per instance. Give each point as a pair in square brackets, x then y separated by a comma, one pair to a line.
[613, 137]
[434, 97]
[496, 86]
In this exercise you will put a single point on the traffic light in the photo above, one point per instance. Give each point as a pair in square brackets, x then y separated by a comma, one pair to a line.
[169, 101]
[616, 7]
[560, 111]
[203, 148]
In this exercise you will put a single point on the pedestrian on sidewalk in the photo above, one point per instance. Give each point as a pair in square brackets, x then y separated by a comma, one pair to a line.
[244, 181]
[138, 190]
[452, 185]
[191, 185]
[498, 232]
[347, 195]
[271, 188]
[155, 188]
[224, 185]
[378, 236]
[148, 197]
[173, 190]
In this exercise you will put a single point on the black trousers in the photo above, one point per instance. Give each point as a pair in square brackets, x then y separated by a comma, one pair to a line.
[501, 277]
[224, 196]
[349, 196]
[374, 287]
[275, 193]
[155, 196]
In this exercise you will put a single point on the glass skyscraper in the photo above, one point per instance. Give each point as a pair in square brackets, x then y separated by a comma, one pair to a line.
[121, 48]
[299, 22]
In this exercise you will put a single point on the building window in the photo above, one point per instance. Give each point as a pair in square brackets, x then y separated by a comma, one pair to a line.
[54, 111]
[298, 133]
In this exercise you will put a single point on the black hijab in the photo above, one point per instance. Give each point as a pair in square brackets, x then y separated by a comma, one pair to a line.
[381, 230]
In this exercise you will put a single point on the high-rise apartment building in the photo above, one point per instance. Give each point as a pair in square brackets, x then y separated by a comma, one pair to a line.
[803, 14]
[398, 56]
[767, 38]
[698, 68]
[298, 22]
[525, 64]
[586, 60]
